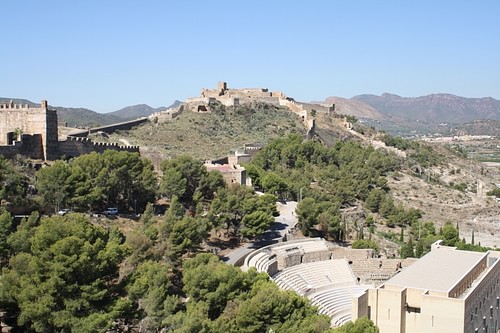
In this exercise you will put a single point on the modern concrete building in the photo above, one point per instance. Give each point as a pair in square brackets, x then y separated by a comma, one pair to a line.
[447, 290]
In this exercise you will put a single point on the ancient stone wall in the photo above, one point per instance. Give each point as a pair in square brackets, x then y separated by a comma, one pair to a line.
[75, 146]
[24, 119]
[126, 125]
[167, 115]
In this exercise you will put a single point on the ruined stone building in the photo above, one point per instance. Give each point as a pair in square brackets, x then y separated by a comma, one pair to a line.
[32, 131]
[234, 97]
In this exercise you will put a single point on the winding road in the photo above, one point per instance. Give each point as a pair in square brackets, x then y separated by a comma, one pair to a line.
[284, 222]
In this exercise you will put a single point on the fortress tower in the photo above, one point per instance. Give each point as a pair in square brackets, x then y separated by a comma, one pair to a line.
[34, 127]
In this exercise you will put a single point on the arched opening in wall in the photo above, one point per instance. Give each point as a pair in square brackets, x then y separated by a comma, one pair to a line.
[202, 108]
[11, 137]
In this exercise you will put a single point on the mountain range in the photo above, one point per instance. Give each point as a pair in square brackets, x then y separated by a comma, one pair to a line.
[425, 114]
[393, 113]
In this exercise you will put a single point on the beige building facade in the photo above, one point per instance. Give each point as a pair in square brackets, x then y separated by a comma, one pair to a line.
[446, 291]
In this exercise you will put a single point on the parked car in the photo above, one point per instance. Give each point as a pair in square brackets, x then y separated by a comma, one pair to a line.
[111, 211]
[63, 212]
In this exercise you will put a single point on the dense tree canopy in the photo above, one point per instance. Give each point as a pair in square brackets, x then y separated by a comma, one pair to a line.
[13, 184]
[66, 281]
[95, 181]
[327, 179]
[189, 180]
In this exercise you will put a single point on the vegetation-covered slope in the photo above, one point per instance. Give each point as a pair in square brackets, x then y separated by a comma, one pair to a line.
[212, 135]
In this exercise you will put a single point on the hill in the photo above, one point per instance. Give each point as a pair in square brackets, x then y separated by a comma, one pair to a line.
[140, 110]
[73, 117]
[211, 135]
[352, 107]
[435, 113]
[435, 108]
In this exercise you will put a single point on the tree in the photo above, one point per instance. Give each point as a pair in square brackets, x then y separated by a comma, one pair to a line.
[274, 184]
[20, 240]
[207, 279]
[67, 280]
[12, 184]
[5, 230]
[182, 177]
[96, 181]
[173, 183]
[53, 186]
[364, 244]
[240, 210]
[255, 223]
[449, 234]
[186, 235]
[374, 200]
[307, 214]
[407, 250]
[361, 325]
[270, 309]
[150, 288]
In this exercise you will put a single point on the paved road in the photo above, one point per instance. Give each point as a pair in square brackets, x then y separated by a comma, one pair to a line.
[282, 224]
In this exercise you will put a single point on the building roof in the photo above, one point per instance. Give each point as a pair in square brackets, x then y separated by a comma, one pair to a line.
[223, 167]
[439, 270]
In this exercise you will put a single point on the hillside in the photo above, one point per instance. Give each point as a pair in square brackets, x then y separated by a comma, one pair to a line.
[353, 108]
[435, 108]
[140, 110]
[446, 190]
[436, 113]
[211, 135]
[73, 117]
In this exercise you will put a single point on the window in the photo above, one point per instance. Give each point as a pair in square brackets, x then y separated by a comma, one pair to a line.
[413, 309]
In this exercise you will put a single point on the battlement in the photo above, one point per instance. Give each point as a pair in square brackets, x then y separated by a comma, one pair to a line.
[18, 119]
[23, 107]
[76, 146]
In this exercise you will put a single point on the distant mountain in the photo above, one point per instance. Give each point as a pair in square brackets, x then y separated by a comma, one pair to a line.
[73, 117]
[140, 110]
[353, 108]
[435, 108]
[81, 117]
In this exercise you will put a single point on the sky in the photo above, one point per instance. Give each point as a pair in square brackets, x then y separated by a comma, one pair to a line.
[108, 54]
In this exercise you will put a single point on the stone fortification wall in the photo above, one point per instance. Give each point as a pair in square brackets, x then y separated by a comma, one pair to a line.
[126, 125]
[22, 118]
[11, 150]
[28, 145]
[75, 146]
[166, 115]
[299, 109]
[269, 100]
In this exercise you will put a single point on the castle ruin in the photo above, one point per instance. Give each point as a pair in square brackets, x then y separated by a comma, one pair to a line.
[33, 132]
[235, 97]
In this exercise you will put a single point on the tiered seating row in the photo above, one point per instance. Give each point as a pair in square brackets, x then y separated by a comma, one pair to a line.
[317, 275]
[336, 303]
[260, 261]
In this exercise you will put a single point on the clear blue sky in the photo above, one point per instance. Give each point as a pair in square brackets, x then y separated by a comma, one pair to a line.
[108, 54]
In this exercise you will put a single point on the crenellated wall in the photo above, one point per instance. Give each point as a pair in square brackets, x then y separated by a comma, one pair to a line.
[76, 146]
[16, 119]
